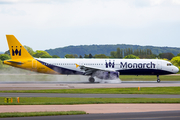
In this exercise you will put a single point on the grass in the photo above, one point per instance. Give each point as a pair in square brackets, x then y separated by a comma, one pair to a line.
[149, 77]
[143, 90]
[29, 114]
[71, 101]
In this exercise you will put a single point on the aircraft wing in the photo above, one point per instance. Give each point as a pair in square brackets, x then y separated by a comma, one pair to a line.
[89, 70]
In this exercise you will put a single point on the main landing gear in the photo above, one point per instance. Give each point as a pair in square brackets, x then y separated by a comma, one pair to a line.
[91, 80]
[158, 80]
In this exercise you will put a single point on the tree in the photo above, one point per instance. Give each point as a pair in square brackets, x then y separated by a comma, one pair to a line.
[118, 54]
[41, 54]
[7, 52]
[113, 54]
[55, 56]
[121, 53]
[131, 57]
[86, 56]
[1, 64]
[75, 56]
[178, 54]
[80, 56]
[129, 51]
[125, 52]
[46, 56]
[149, 52]
[100, 56]
[30, 50]
[69, 56]
[136, 52]
[90, 55]
[169, 56]
[4, 57]
[140, 52]
[149, 56]
[176, 61]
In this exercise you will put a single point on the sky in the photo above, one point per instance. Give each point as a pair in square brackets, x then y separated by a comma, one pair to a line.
[49, 24]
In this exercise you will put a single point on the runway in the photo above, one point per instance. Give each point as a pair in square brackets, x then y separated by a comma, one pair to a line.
[86, 95]
[165, 115]
[63, 85]
[93, 108]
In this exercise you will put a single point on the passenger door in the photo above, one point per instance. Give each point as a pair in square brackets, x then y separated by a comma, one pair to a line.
[159, 65]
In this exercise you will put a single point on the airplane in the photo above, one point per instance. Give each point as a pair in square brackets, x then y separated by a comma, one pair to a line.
[107, 69]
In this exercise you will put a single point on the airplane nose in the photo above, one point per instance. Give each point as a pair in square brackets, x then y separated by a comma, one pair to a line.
[176, 70]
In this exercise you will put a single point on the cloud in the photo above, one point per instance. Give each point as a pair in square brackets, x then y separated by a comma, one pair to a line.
[177, 2]
[81, 13]
[87, 13]
[47, 17]
[31, 1]
[12, 11]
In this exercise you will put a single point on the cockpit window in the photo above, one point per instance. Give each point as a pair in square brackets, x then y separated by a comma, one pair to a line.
[169, 64]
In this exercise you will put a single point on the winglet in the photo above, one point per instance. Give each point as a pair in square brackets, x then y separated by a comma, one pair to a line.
[77, 65]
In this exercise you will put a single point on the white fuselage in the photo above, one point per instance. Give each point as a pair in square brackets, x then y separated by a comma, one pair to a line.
[123, 66]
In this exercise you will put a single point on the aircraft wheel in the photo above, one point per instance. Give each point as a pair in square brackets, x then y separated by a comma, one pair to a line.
[91, 80]
[158, 80]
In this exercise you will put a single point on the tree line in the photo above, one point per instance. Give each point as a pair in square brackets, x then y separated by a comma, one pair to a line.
[126, 53]
[106, 49]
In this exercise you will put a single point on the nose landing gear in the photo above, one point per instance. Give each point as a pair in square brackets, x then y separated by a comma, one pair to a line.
[158, 80]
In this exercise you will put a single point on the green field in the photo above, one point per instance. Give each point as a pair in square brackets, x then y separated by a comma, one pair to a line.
[30, 114]
[149, 77]
[143, 90]
[71, 101]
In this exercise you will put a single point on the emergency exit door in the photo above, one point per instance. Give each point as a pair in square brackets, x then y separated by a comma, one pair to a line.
[159, 66]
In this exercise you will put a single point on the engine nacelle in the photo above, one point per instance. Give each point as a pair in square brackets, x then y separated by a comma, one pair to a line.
[106, 75]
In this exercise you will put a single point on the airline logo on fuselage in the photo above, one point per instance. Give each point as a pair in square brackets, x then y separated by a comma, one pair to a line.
[137, 65]
[109, 64]
[16, 51]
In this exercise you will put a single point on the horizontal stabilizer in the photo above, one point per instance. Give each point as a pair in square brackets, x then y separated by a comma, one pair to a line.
[19, 63]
